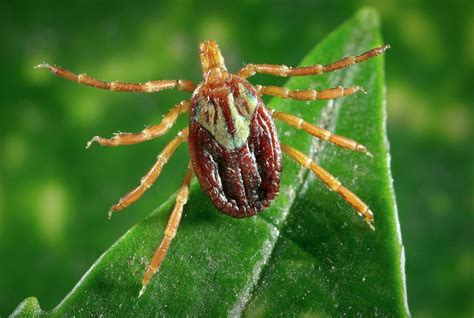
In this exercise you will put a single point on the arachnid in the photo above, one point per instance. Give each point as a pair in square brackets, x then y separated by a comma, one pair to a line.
[235, 151]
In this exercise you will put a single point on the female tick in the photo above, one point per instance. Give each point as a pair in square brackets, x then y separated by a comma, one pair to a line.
[234, 147]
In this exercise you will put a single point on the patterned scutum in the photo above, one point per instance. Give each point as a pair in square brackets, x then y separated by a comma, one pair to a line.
[235, 150]
[227, 115]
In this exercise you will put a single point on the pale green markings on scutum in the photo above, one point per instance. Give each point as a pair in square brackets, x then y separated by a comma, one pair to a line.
[240, 114]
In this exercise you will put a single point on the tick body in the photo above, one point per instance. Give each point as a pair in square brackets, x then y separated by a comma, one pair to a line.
[234, 148]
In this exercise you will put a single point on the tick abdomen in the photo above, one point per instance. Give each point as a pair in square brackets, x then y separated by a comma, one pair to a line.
[234, 148]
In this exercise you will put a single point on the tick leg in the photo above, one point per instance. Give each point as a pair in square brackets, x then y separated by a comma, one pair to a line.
[147, 87]
[332, 183]
[148, 133]
[283, 70]
[308, 94]
[318, 132]
[171, 229]
[151, 176]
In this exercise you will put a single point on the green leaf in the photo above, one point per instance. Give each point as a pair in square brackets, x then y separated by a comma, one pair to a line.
[308, 254]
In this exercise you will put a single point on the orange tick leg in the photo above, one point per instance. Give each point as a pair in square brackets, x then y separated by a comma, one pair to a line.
[148, 133]
[171, 229]
[148, 180]
[283, 70]
[308, 94]
[332, 183]
[147, 87]
[318, 132]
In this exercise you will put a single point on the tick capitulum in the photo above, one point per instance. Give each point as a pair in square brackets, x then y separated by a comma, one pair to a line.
[235, 151]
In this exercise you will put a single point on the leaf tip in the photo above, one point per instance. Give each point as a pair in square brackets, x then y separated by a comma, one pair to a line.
[369, 16]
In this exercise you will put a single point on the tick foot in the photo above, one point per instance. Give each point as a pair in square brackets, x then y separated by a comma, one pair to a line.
[362, 90]
[363, 149]
[369, 218]
[43, 65]
[142, 291]
[89, 143]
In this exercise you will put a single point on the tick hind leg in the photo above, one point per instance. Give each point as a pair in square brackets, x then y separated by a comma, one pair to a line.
[332, 183]
[318, 132]
[148, 133]
[147, 87]
[148, 180]
[171, 229]
[283, 70]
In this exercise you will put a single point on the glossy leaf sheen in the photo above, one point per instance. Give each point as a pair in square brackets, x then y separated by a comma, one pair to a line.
[308, 254]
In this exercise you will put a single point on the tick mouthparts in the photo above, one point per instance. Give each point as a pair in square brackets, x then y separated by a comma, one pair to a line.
[210, 55]
[212, 62]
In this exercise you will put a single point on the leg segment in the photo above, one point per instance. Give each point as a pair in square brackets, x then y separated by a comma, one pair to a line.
[318, 132]
[147, 87]
[148, 180]
[308, 94]
[283, 70]
[171, 229]
[148, 133]
[332, 183]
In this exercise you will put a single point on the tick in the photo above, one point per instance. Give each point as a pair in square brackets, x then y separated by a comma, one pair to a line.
[234, 148]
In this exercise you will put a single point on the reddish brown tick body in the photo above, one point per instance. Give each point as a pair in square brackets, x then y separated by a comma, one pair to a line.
[235, 151]
[241, 176]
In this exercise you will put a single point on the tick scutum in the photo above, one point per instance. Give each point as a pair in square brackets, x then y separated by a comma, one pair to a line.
[234, 147]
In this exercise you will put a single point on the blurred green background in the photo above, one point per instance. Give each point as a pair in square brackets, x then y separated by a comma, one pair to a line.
[54, 195]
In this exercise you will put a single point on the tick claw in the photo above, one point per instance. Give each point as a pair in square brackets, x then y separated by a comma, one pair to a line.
[363, 149]
[89, 143]
[42, 65]
[369, 218]
[142, 291]
[371, 225]
[110, 214]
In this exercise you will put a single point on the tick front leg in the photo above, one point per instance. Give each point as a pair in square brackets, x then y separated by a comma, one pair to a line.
[308, 94]
[147, 87]
[148, 133]
[171, 229]
[283, 70]
[318, 132]
[332, 183]
[148, 180]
